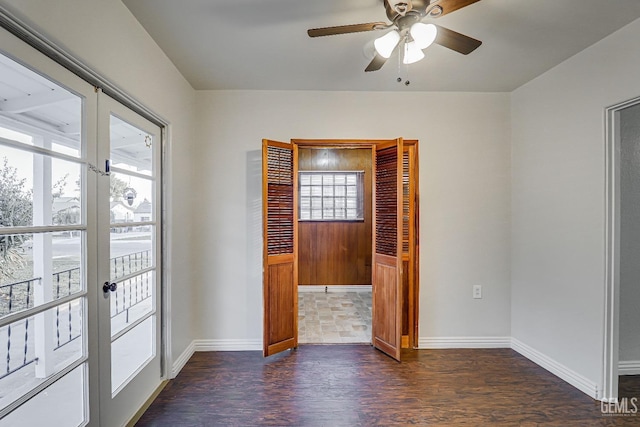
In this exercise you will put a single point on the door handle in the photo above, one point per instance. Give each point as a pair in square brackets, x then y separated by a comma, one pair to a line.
[109, 287]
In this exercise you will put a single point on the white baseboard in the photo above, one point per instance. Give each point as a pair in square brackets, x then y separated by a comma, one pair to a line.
[182, 360]
[630, 367]
[336, 288]
[228, 345]
[558, 369]
[463, 342]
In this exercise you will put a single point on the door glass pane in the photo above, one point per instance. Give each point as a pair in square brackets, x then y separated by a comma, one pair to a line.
[39, 268]
[131, 352]
[131, 250]
[131, 199]
[37, 111]
[38, 190]
[37, 347]
[132, 257]
[131, 148]
[60, 404]
[133, 299]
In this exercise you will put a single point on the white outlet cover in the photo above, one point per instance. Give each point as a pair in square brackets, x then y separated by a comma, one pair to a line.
[477, 291]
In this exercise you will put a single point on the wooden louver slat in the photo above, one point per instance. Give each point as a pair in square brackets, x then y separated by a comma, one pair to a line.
[405, 202]
[280, 215]
[386, 202]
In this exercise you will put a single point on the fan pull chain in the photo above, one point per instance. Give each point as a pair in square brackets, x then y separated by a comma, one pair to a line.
[400, 53]
[403, 69]
[407, 82]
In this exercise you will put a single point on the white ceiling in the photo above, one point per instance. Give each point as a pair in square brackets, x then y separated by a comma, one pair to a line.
[263, 45]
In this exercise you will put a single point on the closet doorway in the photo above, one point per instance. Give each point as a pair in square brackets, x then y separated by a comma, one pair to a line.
[340, 225]
[334, 245]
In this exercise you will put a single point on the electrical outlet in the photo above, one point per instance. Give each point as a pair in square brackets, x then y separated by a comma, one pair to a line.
[477, 291]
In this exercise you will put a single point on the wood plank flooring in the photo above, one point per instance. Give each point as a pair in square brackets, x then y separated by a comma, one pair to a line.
[355, 385]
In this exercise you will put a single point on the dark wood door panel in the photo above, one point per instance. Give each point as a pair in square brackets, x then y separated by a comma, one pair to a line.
[406, 322]
[385, 316]
[280, 302]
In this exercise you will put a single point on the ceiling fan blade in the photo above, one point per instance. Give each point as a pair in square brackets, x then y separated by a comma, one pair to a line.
[376, 63]
[346, 29]
[456, 41]
[449, 6]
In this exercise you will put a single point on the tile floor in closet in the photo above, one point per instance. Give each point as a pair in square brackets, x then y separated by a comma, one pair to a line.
[334, 317]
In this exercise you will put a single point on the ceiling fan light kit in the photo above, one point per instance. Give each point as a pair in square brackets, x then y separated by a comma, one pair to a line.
[412, 53]
[423, 34]
[386, 44]
[411, 34]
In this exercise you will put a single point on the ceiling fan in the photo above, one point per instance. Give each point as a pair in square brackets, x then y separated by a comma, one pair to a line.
[409, 32]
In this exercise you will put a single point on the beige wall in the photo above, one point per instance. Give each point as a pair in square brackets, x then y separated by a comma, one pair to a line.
[464, 206]
[558, 202]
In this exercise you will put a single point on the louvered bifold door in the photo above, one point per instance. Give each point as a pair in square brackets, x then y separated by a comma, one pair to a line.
[387, 249]
[280, 275]
[409, 184]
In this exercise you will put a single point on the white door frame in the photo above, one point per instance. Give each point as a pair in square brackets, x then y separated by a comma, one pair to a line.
[612, 250]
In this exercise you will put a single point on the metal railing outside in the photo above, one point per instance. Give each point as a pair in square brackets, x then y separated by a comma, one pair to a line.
[23, 301]
[18, 296]
[129, 264]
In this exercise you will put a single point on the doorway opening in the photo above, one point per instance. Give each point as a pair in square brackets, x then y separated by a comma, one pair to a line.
[341, 228]
[334, 245]
[622, 341]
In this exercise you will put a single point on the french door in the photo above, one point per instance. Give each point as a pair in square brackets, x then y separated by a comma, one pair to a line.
[47, 264]
[129, 240]
[80, 186]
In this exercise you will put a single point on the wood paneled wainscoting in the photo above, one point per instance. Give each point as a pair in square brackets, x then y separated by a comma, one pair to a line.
[336, 252]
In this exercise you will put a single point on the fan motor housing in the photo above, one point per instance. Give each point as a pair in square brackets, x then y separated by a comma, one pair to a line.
[410, 7]
[404, 23]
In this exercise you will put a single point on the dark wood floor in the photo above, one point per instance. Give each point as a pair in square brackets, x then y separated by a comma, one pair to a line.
[355, 385]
